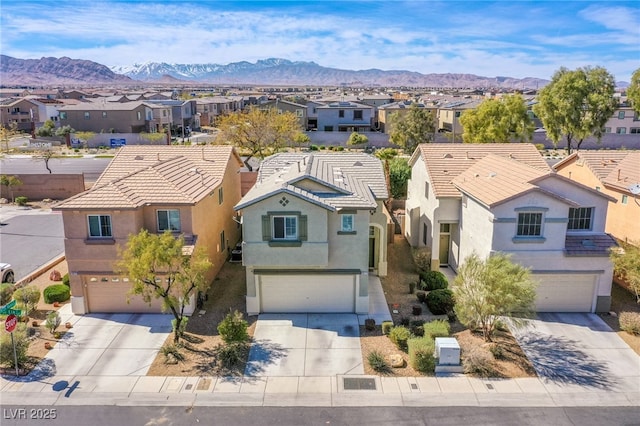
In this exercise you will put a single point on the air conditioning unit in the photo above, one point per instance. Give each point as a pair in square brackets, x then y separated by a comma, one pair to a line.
[447, 351]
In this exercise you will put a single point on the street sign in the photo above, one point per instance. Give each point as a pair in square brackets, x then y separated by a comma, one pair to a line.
[9, 305]
[10, 323]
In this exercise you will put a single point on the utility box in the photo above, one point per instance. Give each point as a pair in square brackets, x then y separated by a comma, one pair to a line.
[447, 351]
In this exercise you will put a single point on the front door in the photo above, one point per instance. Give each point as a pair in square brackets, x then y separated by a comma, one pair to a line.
[445, 238]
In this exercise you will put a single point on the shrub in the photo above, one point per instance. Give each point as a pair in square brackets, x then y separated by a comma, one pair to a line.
[497, 351]
[540, 147]
[433, 280]
[386, 327]
[233, 354]
[313, 147]
[6, 293]
[404, 321]
[399, 336]
[233, 328]
[65, 280]
[53, 321]
[421, 354]
[56, 293]
[417, 328]
[21, 201]
[171, 351]
[437, 328]
[422, 258]
[630, 322]
[340, 148]
[478, 361]
[377, 362]
[370, 324]
[22, 344]
[421, 296]
[440, 301]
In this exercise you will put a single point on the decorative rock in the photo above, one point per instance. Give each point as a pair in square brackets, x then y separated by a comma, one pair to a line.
[396, 361]
[171, 359]
[4, 201]
[55, 275]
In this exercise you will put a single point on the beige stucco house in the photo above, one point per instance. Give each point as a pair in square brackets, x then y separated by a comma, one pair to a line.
[489, 198]
[617, 174]
[314, 228]
[188, 190]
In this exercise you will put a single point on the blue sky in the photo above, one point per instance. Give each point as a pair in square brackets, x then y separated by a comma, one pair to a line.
[503, 38]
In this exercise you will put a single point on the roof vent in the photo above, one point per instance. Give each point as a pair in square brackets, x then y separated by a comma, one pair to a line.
[451, 156]
[357, 163]
[138, 157]
[493, 174]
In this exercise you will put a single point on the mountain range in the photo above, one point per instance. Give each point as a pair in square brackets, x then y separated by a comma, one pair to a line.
[273, 71]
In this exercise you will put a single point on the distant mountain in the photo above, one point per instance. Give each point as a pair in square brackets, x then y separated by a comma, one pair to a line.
[55, 71]
[284, 72]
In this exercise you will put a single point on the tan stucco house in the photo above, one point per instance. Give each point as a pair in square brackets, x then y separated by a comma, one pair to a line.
[188, 190]
[314, 228]
[617, 174]
[488, 198]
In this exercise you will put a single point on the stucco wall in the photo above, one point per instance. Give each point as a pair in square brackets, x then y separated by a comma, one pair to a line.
[41, 186]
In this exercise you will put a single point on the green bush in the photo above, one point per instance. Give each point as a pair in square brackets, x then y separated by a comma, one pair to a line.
[340, 148]
[437, 328]
[65, 280]
[313, 147]
[399, 336]
[421, 354]
[440, 301]
[386, 327]
[22, 344]
[6, 293]
[630, 322]
[497, 351]
[377, 362]
[56, 293]
[433, 280]
[53, 321]
[233, 328]
[21, 201]
[233, 354]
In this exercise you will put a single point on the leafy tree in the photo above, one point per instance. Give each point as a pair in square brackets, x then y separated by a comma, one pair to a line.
[65, 131]
[576, 104]
[10, 182]
[633, 91]
[6, 133]
[484, 290]
[154, 138]
[158, 269]
[47, 129]
[22, 345]
[497, 120]
[85, 137]
[626, 265]
[399, 175]
[412, 128]
[356, 138]
[259, 132]
[28, 296]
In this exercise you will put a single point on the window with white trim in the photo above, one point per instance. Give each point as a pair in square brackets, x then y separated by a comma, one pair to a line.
[346, 223]
[529, 224]
[169, 220]
[580, 219]
[284, 228]
[99, 226]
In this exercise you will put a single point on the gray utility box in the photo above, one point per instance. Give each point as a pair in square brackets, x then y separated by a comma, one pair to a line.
[447, 351]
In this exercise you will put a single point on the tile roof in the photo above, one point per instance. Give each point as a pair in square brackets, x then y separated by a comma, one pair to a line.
[445, 161]
[589, 245]
[140, 175]
[350, 180]
[618, 169]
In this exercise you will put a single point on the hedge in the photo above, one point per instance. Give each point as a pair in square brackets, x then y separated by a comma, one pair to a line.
[433, 280]
[56, 293]
[436, 328]
[440, 301]
[421, 356]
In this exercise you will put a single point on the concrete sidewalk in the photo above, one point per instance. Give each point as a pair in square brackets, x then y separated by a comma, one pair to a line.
[307, 391]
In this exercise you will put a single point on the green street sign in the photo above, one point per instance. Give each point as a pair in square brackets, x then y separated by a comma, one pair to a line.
[9, 305]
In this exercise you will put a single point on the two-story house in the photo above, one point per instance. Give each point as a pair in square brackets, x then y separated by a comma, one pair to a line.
[281, 105]
[187, 190]
[489, 198]
[314, 228]
[345, 117]
[617, 174]
[22, 113]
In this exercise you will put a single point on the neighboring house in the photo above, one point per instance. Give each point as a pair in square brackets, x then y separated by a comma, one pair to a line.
[625, 119]
[385, 113]
[617, 174]
[25, 113]
[183, 113]
[345, 117]
[314, 228]
[489, 198]
[102, 116]
[188, 190]
[448, 119]
[286, 106]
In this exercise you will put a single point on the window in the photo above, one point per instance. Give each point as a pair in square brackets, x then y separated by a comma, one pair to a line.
[357, 114]
[625, 199]
[634, 130]
[63, 115]
[580, 219]
[607, 129]
[529, 224]
[139, 115]
[87, 115]
[426, 189]
[104, 114]
[328, 128]
[222, 242]
[341, 113]
[621, 115]
[346, 223]
[169, 220]
[621, 130]
[220, 196]
[99, 226]
[285, 228]
[299, 113]
[425, 230]
[457, 114]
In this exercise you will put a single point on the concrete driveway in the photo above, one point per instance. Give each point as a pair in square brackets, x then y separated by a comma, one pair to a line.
[579, 350]
[311, 345]
[105, 345]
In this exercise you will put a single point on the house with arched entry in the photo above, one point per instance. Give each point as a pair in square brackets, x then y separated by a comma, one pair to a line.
[314, 228]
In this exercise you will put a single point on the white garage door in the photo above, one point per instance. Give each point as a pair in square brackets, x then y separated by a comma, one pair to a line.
[307, 293]
[110, 297]
[565, 292]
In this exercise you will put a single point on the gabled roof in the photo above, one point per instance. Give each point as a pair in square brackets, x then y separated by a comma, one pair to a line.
[140, 175]
[446, 161]
[341, 180]
[618, 169]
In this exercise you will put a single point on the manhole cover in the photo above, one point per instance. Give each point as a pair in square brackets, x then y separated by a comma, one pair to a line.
[359, 384]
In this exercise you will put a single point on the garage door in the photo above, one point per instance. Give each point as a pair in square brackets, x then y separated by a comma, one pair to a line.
[307, 293]
[565, 292]
[108, 296]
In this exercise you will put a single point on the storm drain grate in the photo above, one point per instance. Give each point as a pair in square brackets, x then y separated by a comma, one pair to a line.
[414, 386]
[359, 384]
[489, 386]
[189, 386]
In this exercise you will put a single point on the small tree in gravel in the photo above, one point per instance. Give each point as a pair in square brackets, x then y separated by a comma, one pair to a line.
[29, 296]
[233, 328]
[53, 321]
[626, 264]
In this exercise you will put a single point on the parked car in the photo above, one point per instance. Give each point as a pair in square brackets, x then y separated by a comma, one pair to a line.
[7, 273]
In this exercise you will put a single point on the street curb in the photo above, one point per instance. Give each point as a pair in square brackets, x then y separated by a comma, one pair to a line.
[53, 262]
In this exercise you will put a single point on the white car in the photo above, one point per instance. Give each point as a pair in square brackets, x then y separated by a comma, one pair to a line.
[7, 273]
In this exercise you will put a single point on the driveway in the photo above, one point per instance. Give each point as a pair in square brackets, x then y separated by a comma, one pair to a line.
[579, 350]
[311, 345]
[105, 345]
